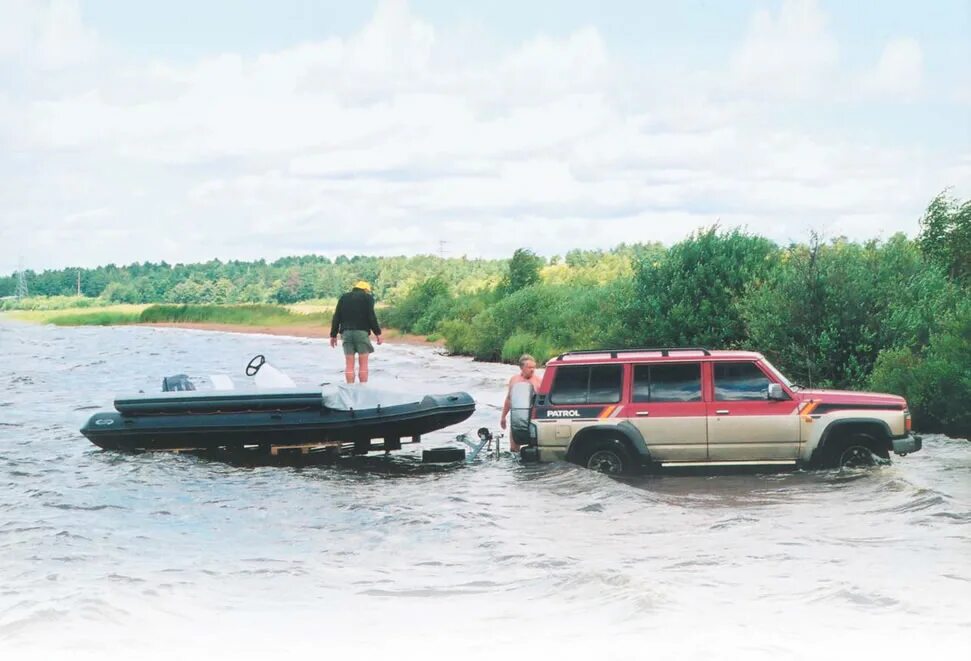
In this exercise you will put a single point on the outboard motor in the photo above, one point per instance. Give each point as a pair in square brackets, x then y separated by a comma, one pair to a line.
[177, 382]
[520, 407]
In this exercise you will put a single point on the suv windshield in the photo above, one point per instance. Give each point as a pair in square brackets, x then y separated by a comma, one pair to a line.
[769, 366]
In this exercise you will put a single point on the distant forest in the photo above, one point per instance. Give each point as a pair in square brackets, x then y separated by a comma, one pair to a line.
[286, 280]
[891, 315]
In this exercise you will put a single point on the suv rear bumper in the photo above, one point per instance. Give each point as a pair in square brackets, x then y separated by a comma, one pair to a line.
[529, 454]
[906, 444]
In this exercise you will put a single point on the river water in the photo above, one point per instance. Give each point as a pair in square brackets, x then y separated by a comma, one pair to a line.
[105, 555]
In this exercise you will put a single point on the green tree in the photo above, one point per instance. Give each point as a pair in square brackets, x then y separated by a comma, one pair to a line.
[523, 271]
[296, 286]
[945, 235]
[224, 291]
[120, 292]
[188, 291]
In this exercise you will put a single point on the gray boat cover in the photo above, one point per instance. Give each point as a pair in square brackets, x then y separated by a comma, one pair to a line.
[354, 396]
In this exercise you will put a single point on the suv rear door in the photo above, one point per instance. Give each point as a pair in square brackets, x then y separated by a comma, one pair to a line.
[667, 406]
[743, 423]
[580, 396]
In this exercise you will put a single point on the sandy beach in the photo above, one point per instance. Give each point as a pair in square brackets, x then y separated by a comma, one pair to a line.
[295, 330]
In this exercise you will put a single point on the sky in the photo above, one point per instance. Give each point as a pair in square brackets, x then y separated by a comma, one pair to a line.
[241, 129]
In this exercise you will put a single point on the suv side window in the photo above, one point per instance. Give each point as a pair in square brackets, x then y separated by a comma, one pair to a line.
[570, 385]
[740, 382]
[680, 382]
[587, 384]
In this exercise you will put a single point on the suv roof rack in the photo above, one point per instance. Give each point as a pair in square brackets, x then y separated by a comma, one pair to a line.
[665, 351]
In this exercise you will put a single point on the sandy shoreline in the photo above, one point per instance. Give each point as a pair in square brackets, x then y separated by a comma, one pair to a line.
[390, 335]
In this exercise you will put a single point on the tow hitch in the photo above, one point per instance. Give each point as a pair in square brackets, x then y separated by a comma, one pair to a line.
[485, 441]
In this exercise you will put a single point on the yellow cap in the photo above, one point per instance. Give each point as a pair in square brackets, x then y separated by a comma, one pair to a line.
[362, 284]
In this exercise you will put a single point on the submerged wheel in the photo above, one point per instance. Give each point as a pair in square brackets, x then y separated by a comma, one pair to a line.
[859, 451]
[857, 456]
[609, 457]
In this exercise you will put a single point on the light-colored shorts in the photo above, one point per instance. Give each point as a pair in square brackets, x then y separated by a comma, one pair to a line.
[356, 341]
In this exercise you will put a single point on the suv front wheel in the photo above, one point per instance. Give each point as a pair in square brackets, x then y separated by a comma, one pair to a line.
[608, 457]
[858, 451]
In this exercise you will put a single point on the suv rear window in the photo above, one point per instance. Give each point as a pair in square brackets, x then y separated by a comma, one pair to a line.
[679, 382]
[739, 382]
[587, 384]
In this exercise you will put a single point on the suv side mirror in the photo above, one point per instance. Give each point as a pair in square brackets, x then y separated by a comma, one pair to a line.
[776, 391]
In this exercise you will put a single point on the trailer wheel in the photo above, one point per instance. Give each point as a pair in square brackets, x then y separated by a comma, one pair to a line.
[442, 455]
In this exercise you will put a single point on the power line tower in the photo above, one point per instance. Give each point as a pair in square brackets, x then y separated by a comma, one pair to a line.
[441, 249]
[21, 281]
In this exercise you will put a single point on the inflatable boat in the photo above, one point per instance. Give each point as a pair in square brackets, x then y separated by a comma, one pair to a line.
[344, 419]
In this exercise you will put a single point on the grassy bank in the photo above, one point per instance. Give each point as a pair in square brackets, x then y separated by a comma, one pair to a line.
[84, 315]
[49, 303]
[315, 314]
[245, 315]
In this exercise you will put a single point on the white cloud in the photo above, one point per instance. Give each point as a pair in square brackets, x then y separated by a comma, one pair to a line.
[899, 71]
[791, 54]
[385, 141]
[46, 35]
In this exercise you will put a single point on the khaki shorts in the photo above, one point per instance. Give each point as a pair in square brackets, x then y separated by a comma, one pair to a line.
[356, 341]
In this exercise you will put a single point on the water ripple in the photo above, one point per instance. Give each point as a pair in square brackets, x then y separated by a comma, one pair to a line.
[95, 545]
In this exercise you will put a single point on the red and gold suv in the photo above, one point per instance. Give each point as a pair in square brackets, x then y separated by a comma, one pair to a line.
[620, 410]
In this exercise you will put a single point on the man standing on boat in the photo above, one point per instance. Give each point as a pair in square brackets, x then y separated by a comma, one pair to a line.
[527, 374]
[355, 320]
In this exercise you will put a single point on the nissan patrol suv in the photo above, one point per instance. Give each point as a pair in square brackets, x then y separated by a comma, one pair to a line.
[618, 411]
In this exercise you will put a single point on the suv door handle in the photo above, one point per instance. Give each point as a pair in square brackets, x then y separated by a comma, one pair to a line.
[643, 413]
[722, 412]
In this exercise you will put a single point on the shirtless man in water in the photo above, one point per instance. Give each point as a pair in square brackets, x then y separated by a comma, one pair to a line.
[527, 374]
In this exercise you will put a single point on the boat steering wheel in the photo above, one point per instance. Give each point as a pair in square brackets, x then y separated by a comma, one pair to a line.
[254, 365]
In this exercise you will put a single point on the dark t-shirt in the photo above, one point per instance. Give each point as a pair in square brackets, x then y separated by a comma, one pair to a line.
[355, 311]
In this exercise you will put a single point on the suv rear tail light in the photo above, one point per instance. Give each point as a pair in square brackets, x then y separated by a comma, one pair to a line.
[907, 421]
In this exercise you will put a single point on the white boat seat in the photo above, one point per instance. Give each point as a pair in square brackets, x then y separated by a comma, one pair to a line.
[221, 382]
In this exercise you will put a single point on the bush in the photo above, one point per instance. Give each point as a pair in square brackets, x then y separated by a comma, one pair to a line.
[438, 308]
[458, 336]
[937, 381]
[830, 309]
[422, 308]
[523, 343]
[691, 296]
[536, 310]
[554, 316]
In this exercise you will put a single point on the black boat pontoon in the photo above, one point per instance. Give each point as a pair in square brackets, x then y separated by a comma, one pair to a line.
[347, 420]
